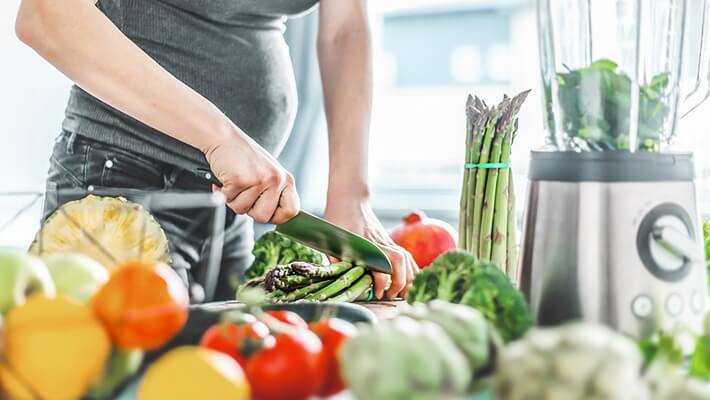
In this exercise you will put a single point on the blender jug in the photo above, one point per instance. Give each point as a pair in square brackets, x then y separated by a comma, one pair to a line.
[617, 74]
[611, 232]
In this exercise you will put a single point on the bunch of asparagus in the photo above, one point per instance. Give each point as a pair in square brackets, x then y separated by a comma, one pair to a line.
[487, 214]
[302, 281]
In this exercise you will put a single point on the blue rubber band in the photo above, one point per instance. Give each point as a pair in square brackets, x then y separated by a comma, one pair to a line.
[487, 166]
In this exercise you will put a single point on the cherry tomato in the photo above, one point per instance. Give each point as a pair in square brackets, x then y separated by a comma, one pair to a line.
[237, 340]
[290, 369]
[333, 332]
[289, 317]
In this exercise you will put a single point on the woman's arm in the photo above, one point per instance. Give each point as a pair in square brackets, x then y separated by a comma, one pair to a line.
[346, 71]
[75, 37]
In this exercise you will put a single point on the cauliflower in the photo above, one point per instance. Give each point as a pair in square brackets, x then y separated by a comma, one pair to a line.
[577, 361]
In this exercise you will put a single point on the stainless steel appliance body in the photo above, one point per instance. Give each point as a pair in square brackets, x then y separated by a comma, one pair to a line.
[614, 238]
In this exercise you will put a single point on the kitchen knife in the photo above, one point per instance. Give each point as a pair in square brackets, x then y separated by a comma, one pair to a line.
[335, 241]
[328, 238]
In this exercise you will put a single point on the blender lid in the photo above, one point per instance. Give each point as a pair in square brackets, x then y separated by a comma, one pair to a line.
[610, 166]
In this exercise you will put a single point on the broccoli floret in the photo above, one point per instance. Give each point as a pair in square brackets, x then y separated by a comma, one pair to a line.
[273, 249]
[445, 279]
[491, 293]
[457, 277]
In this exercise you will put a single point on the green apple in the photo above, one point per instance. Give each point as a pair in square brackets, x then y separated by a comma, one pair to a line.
[121, 366]
[22, 274]
[76, 275]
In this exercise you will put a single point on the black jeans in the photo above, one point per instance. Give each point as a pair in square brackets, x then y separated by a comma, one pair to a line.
[80, 166]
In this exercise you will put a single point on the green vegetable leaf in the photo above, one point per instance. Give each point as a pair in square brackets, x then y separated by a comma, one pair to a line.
[604, 64]
[700, 361]
[595, 107]
[661, 346]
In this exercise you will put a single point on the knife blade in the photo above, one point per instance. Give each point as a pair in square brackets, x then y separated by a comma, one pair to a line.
[335, 241]
[326, 237]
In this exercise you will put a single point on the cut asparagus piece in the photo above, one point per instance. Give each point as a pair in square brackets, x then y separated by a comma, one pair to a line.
[352, 293]
[338, 285]
[300, 293]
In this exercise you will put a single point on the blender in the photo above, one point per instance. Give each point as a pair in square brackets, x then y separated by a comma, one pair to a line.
[612, 232]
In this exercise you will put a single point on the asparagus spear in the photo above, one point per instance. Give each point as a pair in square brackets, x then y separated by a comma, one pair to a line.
[506, 125]
[500, 211]
[295, 281]
[299, 274]
[276, 294]
[478, 118]
[466, 173]
[336, 286]
[319, 271]
[489, 198]
[304, 291]
[481, 174]
[352, 293]
[512, 256]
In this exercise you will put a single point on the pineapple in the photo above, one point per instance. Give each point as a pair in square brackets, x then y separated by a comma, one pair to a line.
[108, 229]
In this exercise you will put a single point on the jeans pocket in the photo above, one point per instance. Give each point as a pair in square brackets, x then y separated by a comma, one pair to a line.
[113, 168]
[68, 163]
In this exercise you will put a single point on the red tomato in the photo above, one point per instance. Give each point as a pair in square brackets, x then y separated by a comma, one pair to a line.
[290, 369]
[290, 318]
[235, 340]
[333, 332]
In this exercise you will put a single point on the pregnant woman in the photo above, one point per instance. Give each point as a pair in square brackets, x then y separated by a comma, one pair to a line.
[164, 88]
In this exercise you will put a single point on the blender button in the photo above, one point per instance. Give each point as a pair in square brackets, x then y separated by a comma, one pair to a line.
[642, 306]
[697, 301]
[674, 304]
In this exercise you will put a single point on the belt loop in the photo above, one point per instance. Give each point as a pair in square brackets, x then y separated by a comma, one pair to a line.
[170, 177]
[70, 143]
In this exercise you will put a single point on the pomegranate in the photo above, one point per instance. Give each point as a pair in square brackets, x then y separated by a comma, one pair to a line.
[425, 238]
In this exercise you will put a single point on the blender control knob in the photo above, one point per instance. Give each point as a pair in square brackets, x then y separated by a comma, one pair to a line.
[671, 245]
[697, 302]
[642, 306]
[666, 242]
[674, 304]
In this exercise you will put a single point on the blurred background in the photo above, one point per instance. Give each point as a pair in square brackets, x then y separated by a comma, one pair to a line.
[429, 55]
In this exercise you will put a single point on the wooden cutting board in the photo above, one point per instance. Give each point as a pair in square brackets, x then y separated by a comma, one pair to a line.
[384, 310]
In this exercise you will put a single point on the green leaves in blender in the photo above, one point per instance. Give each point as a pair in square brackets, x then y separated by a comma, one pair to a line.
[595, 103]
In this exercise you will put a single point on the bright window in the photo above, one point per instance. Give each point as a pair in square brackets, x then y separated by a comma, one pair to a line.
[429, 56]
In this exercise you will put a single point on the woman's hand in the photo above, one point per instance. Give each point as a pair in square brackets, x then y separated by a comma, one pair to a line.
[358, 217]
[253, 182]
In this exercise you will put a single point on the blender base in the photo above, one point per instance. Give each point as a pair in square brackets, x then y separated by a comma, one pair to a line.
[614, 238]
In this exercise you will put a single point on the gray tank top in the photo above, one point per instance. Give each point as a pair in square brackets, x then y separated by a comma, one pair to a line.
[231, 51]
